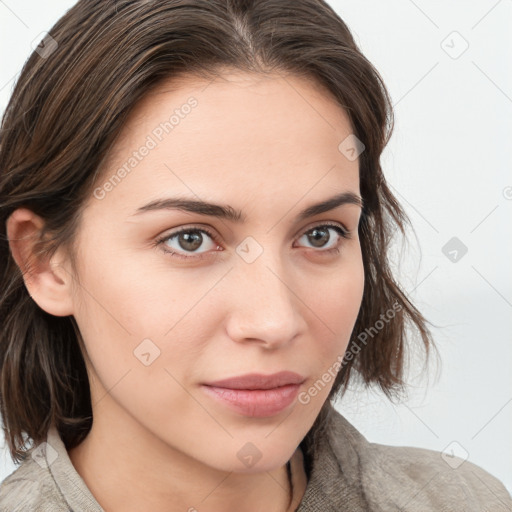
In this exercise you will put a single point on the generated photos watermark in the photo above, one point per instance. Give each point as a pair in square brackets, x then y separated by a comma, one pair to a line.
[354, 349]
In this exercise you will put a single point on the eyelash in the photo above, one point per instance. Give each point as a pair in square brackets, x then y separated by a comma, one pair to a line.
[161, 241]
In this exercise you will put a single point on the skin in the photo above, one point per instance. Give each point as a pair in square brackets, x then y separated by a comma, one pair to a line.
[268, 146]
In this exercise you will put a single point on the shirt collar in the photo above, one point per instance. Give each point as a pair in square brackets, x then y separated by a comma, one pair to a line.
[334, 470]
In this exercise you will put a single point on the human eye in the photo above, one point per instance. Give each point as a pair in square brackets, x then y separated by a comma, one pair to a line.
[321, 237]
[188, 240]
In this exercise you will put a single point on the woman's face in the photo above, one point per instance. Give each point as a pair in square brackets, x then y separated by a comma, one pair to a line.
[250, 287]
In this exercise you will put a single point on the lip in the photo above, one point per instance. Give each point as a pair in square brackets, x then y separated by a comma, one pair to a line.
[256, 395]
[259, 381]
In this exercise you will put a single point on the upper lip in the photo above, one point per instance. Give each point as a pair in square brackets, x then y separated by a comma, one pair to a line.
[259, 381]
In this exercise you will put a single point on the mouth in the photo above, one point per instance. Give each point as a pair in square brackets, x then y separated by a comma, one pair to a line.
[256, 395]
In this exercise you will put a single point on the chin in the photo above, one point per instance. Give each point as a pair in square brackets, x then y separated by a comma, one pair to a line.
[246, 456]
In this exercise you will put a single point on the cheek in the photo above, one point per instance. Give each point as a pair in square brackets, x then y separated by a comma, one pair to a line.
[335, 305]
[144, 296]
[139, 322]
[141, 368]
[338, 308]
[337, 299]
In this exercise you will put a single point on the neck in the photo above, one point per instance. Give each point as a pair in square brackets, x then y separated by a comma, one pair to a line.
[150, 475]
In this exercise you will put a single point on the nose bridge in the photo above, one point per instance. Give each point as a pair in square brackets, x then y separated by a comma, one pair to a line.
[264, 306]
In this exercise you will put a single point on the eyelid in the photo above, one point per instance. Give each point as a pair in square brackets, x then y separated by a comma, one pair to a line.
[325, 223]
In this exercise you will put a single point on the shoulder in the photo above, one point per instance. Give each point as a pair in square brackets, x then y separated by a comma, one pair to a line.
[415, 479]
[46, 481]
[418, 478]
[30, 487]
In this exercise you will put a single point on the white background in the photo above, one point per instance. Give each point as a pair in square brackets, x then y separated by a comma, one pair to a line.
[449, 164]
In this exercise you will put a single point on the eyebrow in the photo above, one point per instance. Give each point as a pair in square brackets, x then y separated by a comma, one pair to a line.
[229, 213]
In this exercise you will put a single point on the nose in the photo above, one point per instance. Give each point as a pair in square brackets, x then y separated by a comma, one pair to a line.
[265, 309]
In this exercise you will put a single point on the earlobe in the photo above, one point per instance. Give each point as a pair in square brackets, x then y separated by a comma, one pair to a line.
[47, 281]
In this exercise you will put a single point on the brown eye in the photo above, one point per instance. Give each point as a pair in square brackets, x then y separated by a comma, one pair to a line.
[324, 237]
[190, 240]
[319, 237]
[194, 241]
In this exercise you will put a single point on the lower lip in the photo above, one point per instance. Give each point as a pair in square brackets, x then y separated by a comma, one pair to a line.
[258, 403]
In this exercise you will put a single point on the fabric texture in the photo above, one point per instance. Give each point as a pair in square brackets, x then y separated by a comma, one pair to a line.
[345, 473]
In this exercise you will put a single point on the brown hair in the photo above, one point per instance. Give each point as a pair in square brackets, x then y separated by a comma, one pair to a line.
[68, 107]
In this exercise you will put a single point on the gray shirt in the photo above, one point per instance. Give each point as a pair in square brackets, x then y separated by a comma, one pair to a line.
[345, 473]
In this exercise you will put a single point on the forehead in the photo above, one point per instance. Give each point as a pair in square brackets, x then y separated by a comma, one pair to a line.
[237, 133]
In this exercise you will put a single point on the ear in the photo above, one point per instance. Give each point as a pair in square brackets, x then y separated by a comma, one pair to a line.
[48, 282]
